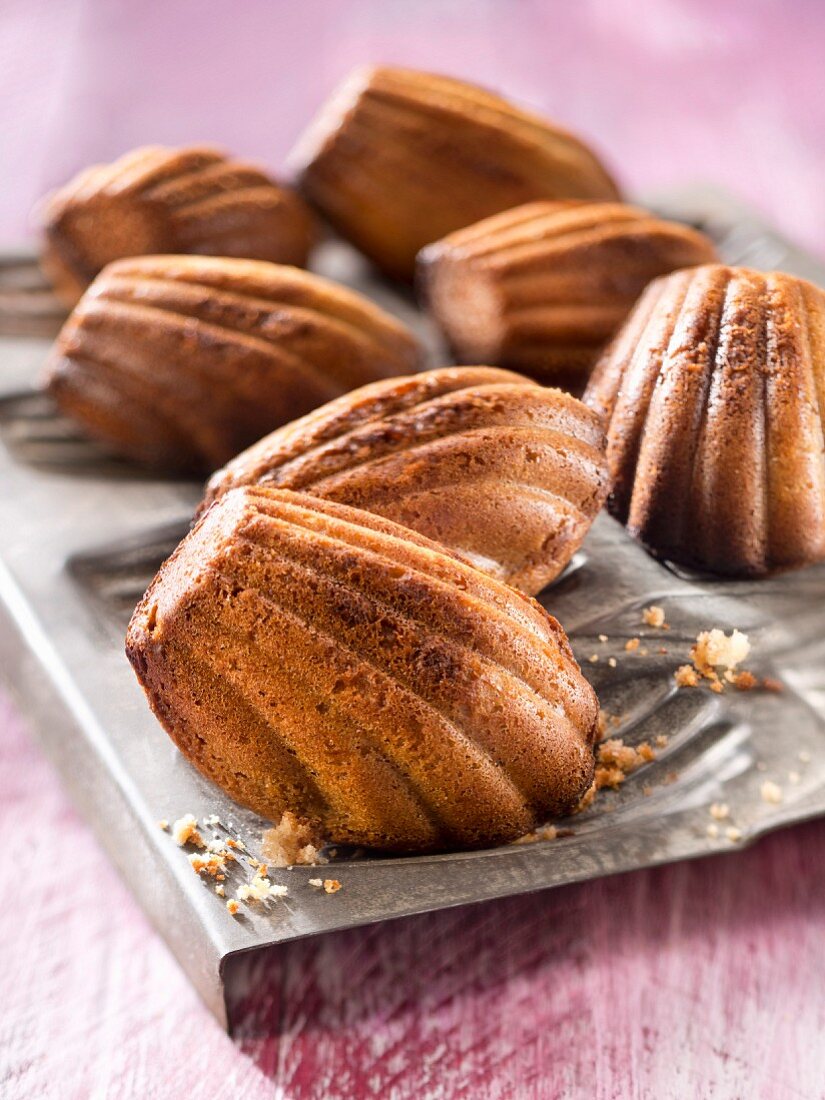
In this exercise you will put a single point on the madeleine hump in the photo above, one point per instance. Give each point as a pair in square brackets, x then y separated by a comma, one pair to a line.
[543, 288]
[397, 159]
[713, 394]
[499, 469]
[180, 362]
[158, 200]
[311, 657]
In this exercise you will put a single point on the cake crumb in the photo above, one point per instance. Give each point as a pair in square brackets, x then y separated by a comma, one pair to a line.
[331, 885]
[185, 831]
[770, 792]
[733, 834]
[720, 811]
[603, 638]
[654, 616]
[662, 740]
[614, 762]
[593, 658]
[163, 824]
[712, 830]
[259, 888]
[232, 907]
[686, 676]
[317, 882]
[220, 890]
[744, 680]
[292, 842]
[544, 832]
[714, 649]
[611, 661]
[632, 644]
[770, 683]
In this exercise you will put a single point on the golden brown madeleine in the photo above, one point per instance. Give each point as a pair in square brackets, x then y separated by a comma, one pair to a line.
[507, 473]
[182, 361]
[156, 200]
[713, 393]
[398, 158]
[313, 657]
[544, 287]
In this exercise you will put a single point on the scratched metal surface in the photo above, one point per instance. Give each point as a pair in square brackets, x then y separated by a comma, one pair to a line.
[81, 534]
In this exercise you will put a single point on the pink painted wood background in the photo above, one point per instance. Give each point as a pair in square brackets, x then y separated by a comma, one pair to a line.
[699, 980]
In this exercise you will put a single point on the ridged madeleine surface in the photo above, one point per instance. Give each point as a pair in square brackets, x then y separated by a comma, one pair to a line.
[544, 287]
[153, 200]
[484, 461]
[713, 393]
[181, 361]
[311, 657]
[398, 159]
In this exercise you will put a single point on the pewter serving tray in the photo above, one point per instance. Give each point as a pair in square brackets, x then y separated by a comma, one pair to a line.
[81, 535]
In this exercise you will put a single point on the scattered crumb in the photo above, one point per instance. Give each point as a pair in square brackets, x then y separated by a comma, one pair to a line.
[662, 740]
[232, 906]
[804, 756]
[654, 616]
[720, 811]
[615, 761]
[632, 644]
[331, 885]
[670, 778]
[712, 829]
[163, 824]
[714, 648]
[611, 661]
[212, 820]
[770, 683]
[771, 792]
[316, 882]
[260, 888]
[794, 777]
[593, 658]
[185, 831]
[220, 890]
[744, 680]
[662, 649]
[686, 676]
[545, 832]
[292, 842]
[733, 834]
[643, 652]
[603, 638]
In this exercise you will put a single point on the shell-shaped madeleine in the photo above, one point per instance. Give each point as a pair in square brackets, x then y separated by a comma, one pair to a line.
[713, 393]
[398, 158]
[311, 657]
[180, 362]
[507, 473]
[544, 287]
[154, 200]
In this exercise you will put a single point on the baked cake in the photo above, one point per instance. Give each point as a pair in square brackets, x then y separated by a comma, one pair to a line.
[713, 394]
[182, 361]
[194, 200]
[482, 460]
[544, 287]
[311, 657]
[397, 159]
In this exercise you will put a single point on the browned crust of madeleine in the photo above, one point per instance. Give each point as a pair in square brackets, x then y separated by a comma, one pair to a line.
[180, 361]
[311, 657]
[158, 200]
[506, 472]
[542, 288]
[397, 159]
[713, 394]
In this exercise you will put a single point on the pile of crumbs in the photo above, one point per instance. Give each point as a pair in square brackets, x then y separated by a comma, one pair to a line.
[288, 844]
[544, 832]
[291, 843]
[615, 761]
[716, 652]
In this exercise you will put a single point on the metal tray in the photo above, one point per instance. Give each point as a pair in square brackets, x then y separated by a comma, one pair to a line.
[81, 535]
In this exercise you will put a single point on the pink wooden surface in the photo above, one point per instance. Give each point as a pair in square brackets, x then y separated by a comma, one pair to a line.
[700, 980]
